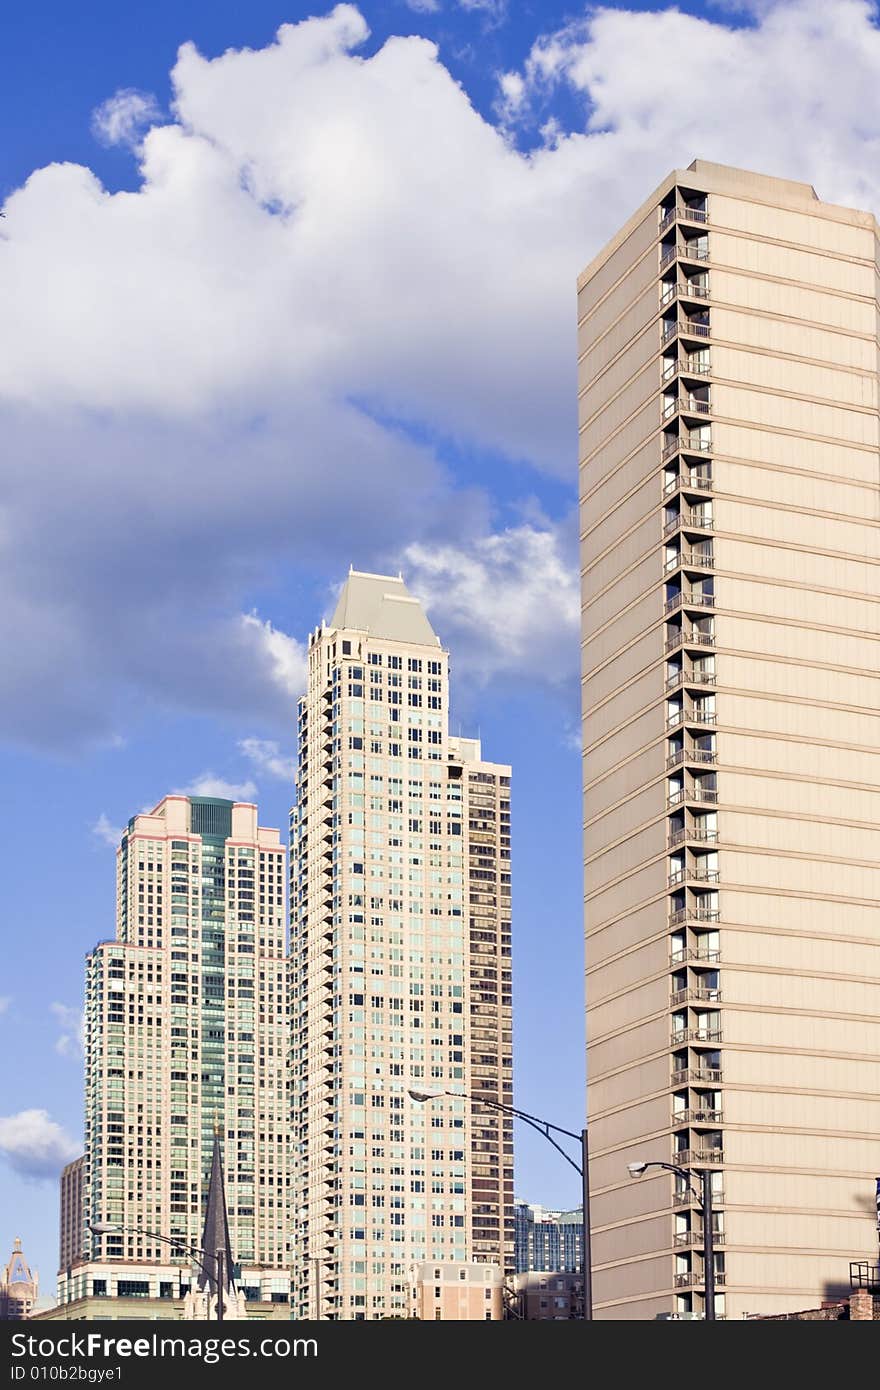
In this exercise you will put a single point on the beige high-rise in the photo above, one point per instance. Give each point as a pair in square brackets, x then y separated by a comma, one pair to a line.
[400, 968]
[730, 524]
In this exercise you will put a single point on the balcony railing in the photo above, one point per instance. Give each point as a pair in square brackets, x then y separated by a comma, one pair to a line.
[686, 1157]
[696, 1035]
[697, 1076]
[694, 1278]
[686, 1197]
[695, 994]
[690, 560]
[675, 798]
[701, 479]
[669, 448]
[706, 875]
[689, 598]
[692, 251]
[692, 329]
[667, 254]
[694, 1239]
[694, 405]
[669, 329]
[694, 953]
[686, 214]
[697, 1117]
[689, 716]
[691, 289]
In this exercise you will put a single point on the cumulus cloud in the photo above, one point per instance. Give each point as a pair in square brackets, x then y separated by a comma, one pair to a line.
[509, 602]
[266, 755]
[208, 785]
[108, 834]
[71, 1039]
[123, 118]
[285, 657]
[332, 258]
[34, 1145]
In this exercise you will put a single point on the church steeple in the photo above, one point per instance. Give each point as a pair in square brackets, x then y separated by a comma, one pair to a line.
[216, 1232]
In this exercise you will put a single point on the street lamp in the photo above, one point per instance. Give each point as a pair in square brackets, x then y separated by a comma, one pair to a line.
[705, 1204]
[107, 1228]
[582, 1169]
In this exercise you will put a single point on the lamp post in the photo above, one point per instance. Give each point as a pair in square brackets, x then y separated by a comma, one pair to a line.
[705, 1203]
[544, 1128]
[107, 1228]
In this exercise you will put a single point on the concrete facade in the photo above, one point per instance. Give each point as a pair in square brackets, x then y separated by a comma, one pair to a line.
[730, 531]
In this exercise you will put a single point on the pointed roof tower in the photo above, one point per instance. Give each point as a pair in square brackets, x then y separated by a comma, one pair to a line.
[381, 605]
[216, 1233]
[18, 1270]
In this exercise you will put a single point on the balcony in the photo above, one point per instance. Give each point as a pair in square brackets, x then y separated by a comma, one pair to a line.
[697, 1117]
[685, 214]
[695, 994]
[692, 289]
[691, 328]
[685, 1197]
[707, 797]
[696, 1035]
[697, 1076]
[697, 443]
[669, 448]
[695, 953]
[687, 1158]
[694, 1278]
[694, 405]
[694, 1239]
[692, 251]
[689, 560]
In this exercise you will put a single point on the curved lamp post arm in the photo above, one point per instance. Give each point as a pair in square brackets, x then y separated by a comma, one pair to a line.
[196, 1255]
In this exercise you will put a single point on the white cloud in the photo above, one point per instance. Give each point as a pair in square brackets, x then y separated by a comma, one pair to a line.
[494, 9]
[106, 832]
[34, 1145]
[423, 6]
[285, 657]
[267, 756]
[331, 257]
[209, 785]
[71, 1040]
[122, 118]
[508, 602]
[5, 1001]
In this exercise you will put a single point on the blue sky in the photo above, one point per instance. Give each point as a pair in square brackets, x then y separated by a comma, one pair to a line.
[301, 306]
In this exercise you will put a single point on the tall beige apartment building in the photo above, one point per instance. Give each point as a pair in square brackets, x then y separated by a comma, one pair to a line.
[730, 525]
[186, 1029]
[400, 969]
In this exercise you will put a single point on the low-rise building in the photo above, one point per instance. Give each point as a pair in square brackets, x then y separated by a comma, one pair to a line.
[18, 1286]
[456, 1292]
[548, 1295]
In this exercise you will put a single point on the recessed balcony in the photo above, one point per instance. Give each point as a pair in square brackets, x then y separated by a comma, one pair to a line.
[695, 994]
[694, 1239]
[698, 954]
[697, 1076]
[697, 1117]
[696, 1035]
[687, 1157]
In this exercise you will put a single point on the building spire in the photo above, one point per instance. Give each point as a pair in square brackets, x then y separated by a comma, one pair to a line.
[216, 1233]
